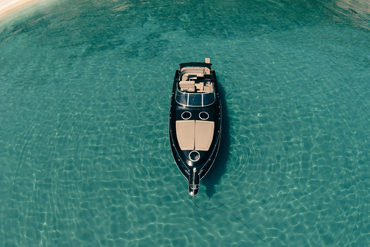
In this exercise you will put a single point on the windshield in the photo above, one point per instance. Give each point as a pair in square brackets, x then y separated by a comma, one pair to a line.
[195, 99]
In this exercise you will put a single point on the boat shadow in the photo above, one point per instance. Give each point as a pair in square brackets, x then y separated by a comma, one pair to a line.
[219, 167]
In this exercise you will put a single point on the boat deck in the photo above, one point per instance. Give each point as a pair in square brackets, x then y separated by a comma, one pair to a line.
[194, 134]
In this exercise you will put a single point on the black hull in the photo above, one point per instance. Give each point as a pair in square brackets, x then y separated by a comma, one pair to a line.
[195, 171]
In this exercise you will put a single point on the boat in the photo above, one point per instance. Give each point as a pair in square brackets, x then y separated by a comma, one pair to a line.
[195, 121]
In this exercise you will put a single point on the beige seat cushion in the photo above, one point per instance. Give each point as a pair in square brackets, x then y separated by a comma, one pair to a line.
[188, 86]
[200, 87]
[194, 135]
[185, 134]
[203, 134]
[208, 88]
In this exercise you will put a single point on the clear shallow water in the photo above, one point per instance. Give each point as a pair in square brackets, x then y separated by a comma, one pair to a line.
[84, 152]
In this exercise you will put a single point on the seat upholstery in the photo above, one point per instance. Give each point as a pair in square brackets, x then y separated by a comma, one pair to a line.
[200, 87]
[203, 134]
[194, 134]
[208, 88]
[188, 86]
[185, 134]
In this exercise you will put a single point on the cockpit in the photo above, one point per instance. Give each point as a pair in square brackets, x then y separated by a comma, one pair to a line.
[195, 87]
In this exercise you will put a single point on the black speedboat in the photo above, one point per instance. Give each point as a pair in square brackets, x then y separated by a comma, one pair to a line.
[195, 121]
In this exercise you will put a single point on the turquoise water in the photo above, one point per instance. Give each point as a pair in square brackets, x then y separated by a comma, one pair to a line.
[84, 101]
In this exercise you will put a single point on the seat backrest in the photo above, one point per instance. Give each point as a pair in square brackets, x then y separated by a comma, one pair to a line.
[208, 88]
[187, 86]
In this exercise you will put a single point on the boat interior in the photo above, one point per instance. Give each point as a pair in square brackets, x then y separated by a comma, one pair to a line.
[195, 80]
[195, 134]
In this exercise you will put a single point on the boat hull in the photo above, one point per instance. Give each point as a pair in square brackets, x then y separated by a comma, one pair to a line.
[192, 170]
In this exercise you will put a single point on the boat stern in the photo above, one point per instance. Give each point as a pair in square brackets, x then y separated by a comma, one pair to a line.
[194, 182]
